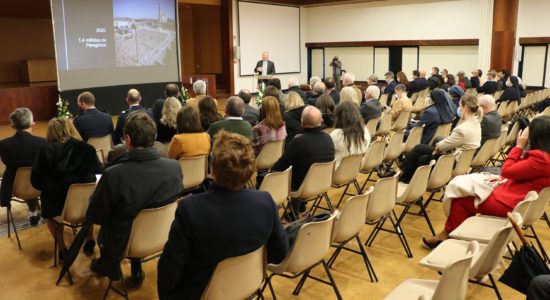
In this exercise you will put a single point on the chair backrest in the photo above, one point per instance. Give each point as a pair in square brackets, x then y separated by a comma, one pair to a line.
[537, 207]
[76, 203]
[501, 140]
[150, 231]
[485, 153]
[104, 143]
[310, 246]
[382, 199]
[100, 156]
[2, 169]
[503, 109]
[194, 170]
[491, 256]
[442, 172]
[523, 207]
[278, 185]
[442, 130]
[453, 284]
[402, 121]
[22, 187]
[348, 169]
[385, 125]
[237, 277]
[512, 108]
[383, 99]
[419, 104]
[414, 96]
[513, 135]
[317, 181]
[395, 146]
[418, 184]
[414, 138]
[463, 163]
[374, 156]
[352, 217]
[371, 126]
[270, 153]
[471, 91]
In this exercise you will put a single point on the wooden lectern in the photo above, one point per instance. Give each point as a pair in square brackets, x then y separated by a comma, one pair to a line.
[258, 78]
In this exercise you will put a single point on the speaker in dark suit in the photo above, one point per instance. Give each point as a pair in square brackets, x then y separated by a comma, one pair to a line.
[265, 67]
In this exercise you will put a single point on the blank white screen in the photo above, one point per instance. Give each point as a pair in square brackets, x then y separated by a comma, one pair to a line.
[272, 28]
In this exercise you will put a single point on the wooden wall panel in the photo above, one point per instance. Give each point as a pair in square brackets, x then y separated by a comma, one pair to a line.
[187, 48]
[505, 16]
[403, 43]
[208, 39]
[39, 99]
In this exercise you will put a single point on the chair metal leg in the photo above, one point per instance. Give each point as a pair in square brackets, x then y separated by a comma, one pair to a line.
[368, 264]
[55, 247]
[271, 289]
[367, 180]
[10, 219]
[401, 234]
[429, 199]
[330, 207]
[375, 232]
[541, 247]
[335, 255]
[108, 289]
[343, 195]
[545, 218]
[494, 286]
[332, 282]
[301, 283]
[423, 210]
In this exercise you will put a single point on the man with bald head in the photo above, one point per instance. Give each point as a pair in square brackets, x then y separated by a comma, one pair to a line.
[133, 98]
[491, 123]
[312, 146]
[92, 122]
[171, 90]
[233, 122]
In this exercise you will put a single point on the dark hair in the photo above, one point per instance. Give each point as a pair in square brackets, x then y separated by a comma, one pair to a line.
[349, 120]
[443, 109]
[275, 82]
[87, 98]
[539, 139]
[329, 83]
[141, 129]
[479, 72]
[171, 90]
[188, 120]
[233, 161]
[234, 106]
[245, 95]
[416, 73]
[208, 112]
[450, 79]
[271, 91]
[436, 70]
[325, 104]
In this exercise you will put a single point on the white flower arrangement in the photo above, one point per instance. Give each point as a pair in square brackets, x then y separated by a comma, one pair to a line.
[260, 94]
[63, 108]
[184, 94]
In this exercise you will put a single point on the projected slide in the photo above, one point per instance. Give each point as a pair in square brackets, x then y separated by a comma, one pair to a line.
[115, 42]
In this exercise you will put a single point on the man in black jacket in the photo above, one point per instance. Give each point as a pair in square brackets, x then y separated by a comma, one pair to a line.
[171, 90]
[371, 108]
[133, 99]
[19, 151]
[476, 73]
[318, 90]
[312, 146]
[140, 179]
[491, 123]
[436, 80]
[491, 85]
[92, 122]
[250, 114]
[417, 84]
[294, 86]
[265, 67]
[330, 84]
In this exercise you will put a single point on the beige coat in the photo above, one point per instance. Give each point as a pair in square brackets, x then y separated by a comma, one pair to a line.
[465, 136]
[194, 102]
[401, 104]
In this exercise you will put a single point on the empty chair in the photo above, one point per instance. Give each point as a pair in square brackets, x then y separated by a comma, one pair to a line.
[268, 156]
[462, 165]
[147, 238]
[348, 226]
[346, 174]
[442, 130]
[315, 185]
[22, 191]
[104, 143]
[194, 171]
[485, 153]
[371, 126]
[384, 126]
[401, 122]
[440, 176]
[237, 277]
[483, 263]
[373, 159]
[414, 138]
[380, 209]
[307, 252]
[453, 284]
[277, 184]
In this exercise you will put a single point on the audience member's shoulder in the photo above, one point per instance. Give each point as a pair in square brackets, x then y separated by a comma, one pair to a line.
[541, 156]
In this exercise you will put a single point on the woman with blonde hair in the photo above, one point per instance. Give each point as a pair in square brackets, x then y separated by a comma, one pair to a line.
[293, 115]
[167, 126]
[64, 160]
[271, 128]
[348, 94]
[292, 100]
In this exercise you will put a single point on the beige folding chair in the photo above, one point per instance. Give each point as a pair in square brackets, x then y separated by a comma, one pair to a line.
[509, 142]
[414, 97]
[462, 165]
[453, 284]
[501, 141]
[471, 91]
[385, 126]
[373, 159]
[392, 152]
[511, 110]
[442, 130]
[485, 153]
[483, 263]
[307, 252]
[535, 212]
[104, 143]
[414, 138]
[503, 109]
[440, 176]
[402, 121]
[383, 99]
[22, 192]
[419, 105]
[277, 184]
[347, 228]
[74, 212]
[469, 229]
[238, 277]
[194, 171]
[314, 188]
[371, 126]
[380, 208]
[412, 193]
[149, 234]
[268, 156]
[100, 156]
[346, 174]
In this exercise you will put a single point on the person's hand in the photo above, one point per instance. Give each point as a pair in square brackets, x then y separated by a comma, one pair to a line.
[523, 138]
[260, 69]
[493, 179]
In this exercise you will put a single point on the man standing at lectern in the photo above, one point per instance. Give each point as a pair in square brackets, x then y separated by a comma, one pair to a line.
[265, 67]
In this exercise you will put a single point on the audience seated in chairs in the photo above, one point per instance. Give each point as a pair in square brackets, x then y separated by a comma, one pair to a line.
[371, 108]
[525, 173]
[271, 128]
[92, 122]
[318, 90]
[226, 221]
[293, 115]
[294, 86]
[348, 94]
[434, 115]
[491, 123]
[199, 88]
[389, 89]
[133, 98]
[332, 91]
[171, 90]
[491, 85]
[312, 146]
[463, 81]
[512, 91]
[190, 140]
[166, 126]
[234, 108]
[326, 105]
[250, 114]
[402, 104]
[64, 160]
[418, 83]
[208, 112]
[350, 135]
[139, 179]
[19, 151]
